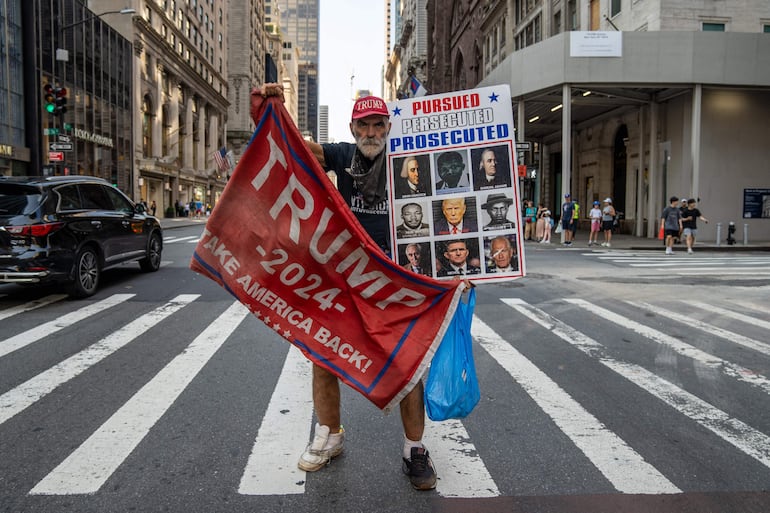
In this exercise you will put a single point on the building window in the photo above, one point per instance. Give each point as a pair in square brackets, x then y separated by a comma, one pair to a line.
[766, 28]
[147, 116]
[713, 27]
[614, 8]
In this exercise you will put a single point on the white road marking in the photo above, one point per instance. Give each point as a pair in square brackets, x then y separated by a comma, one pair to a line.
[283, 434]
[32, 305]
[621, 465]
[734, 431]
[460, 470]
[729, 313]
[708, 360]
[708, 328]
[171, 240]
[40, 331]
[90, 465]
[29, 392]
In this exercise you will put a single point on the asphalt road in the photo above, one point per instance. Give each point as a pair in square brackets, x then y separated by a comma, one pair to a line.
[611, 381]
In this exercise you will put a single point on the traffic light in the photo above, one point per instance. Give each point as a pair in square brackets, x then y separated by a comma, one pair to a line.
[49, 98]
[61, 101]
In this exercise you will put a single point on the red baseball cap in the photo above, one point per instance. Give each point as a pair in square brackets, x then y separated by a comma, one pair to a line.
[369, 106]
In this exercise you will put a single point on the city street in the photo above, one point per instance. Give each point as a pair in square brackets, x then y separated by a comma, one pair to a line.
[612, 380]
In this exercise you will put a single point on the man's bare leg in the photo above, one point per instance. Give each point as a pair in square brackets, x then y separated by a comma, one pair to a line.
[326, 398]
[413, 413]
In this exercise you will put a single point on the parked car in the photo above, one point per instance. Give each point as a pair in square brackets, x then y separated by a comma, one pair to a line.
[69, 229]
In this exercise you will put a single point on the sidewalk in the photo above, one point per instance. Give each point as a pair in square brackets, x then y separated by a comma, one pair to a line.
[619, 241]
[622, 241]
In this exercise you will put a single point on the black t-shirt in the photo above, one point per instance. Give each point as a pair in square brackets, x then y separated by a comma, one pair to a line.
[693, 216]
[374, 218]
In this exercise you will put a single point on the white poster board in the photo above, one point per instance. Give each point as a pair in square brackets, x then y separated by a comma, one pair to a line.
[455, 200]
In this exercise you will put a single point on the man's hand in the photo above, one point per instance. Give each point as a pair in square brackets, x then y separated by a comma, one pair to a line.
[259, 94]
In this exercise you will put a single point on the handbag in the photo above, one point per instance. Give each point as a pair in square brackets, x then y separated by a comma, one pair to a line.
[452, 389]
[558, 228]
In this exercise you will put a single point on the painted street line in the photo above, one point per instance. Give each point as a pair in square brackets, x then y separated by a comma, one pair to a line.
[283, 434]
[90, 465]
[32, 305]
[620, 464]
[756, 345]
[29, 392]
[744, 437]
[40, 331]
[708, 360]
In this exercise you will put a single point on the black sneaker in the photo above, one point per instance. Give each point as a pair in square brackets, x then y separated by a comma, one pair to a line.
[420, 469]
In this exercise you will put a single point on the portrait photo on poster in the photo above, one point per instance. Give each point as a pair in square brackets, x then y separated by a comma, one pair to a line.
[451, 171]
[496, 211]
[412, 176]
[500, 253]
[455, 215]
[414, 216]
[491, 167]
[416, 257]
[457, 257]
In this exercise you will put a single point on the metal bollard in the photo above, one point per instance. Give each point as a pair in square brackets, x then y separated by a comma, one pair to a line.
[745, 234]
[719, 234]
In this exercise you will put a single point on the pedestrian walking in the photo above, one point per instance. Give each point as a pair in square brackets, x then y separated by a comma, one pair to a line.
[671, 223]
[690, 218]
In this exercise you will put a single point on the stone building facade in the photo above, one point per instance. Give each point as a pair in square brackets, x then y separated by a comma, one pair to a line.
[651, 121]
[180, 90]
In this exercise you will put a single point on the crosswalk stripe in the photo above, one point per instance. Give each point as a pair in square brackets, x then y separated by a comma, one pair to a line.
[87, 468]
[29, 392]
[16, 342]
[738, 372]
[285, 427]
[708, 328]
[169, 240]
[734, 431]
[752, 307]
[729, 313]
[461, 472]
[621, 465]
[32, 305]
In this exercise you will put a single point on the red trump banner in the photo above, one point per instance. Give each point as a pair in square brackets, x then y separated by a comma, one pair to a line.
[282, 241]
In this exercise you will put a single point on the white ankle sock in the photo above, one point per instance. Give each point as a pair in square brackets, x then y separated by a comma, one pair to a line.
[408, 444]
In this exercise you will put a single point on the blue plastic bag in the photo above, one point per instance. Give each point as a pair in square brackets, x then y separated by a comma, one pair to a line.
[452, 390]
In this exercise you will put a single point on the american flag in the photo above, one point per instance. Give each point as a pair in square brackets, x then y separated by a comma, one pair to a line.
[220, 157]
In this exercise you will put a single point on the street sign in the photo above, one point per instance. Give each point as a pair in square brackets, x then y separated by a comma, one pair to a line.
[50, 131]
[523, 145]
[56, 156]
[64, 138]
[60, 146]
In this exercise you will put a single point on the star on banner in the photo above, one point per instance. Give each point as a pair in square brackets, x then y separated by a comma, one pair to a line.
[493, 97]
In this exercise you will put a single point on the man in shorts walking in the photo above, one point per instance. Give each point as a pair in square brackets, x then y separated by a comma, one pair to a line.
[690, 218]
[671, 223]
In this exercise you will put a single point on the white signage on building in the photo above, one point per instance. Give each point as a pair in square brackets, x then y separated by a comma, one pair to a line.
[596, 44]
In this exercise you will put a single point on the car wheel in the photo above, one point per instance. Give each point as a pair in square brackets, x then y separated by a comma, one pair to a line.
[86, 273]
[151, 262]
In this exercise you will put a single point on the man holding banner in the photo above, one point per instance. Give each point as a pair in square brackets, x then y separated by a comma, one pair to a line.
[361, 179]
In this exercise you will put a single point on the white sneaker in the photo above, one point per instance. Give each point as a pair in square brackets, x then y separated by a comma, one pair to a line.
[669, 251]
[323, 448]
[689, 250]
[606, 244]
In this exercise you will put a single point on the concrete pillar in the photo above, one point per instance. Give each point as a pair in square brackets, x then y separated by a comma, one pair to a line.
[566, 142]
[639, 210]
[652, 181]
[697, 107]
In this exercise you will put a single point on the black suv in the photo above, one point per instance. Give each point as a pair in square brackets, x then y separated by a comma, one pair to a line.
[71, 228]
